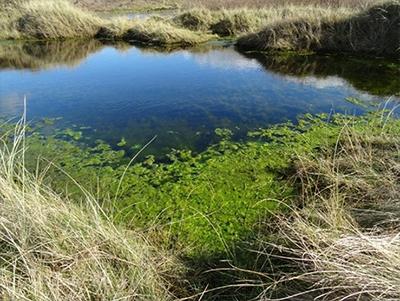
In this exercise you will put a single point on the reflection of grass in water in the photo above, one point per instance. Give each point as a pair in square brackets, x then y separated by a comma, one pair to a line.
[45, 54]
[38, 55]
[374, 76]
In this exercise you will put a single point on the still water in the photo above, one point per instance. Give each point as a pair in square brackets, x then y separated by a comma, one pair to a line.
[120, 91]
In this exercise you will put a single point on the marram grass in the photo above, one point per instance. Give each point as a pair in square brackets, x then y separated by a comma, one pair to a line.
[375, 30]
[285, 27]
[340, 240]
[59, 19]
[54, 249]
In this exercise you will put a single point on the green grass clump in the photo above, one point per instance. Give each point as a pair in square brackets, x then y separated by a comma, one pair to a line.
[373, 31]
[55, 249]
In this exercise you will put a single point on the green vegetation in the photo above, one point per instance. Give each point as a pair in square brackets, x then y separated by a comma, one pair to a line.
[209, 200]
[292, 186]
[306, 210]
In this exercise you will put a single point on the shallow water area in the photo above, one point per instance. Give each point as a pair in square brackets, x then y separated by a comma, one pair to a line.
[138, 15]
[120, 91]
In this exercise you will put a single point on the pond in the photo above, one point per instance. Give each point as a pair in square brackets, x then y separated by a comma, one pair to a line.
[117, 91]
[138, 15]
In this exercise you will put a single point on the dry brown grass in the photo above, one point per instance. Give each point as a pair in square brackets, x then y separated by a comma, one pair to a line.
[238, 21]
[153, 32]
[344, 244]
[58, 19]
[374, 31]
[53, 249]
[288, 27]
[45, 19]
[210, 4]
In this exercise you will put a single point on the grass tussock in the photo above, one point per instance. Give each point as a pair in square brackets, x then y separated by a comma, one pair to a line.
[153, 31]
[344, 244]
[54, 249]
[156, 32]
[46, 20]
[243, 20]
[286, 27]
[375, 30]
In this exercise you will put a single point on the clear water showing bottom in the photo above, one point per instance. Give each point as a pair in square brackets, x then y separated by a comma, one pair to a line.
[121, 91]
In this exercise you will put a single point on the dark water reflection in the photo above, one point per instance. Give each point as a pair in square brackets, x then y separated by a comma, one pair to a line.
[182, 95]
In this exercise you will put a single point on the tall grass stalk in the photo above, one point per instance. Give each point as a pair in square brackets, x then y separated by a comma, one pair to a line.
[344, 244]
[55, 249]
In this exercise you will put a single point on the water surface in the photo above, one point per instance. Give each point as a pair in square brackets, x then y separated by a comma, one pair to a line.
[120, 91]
